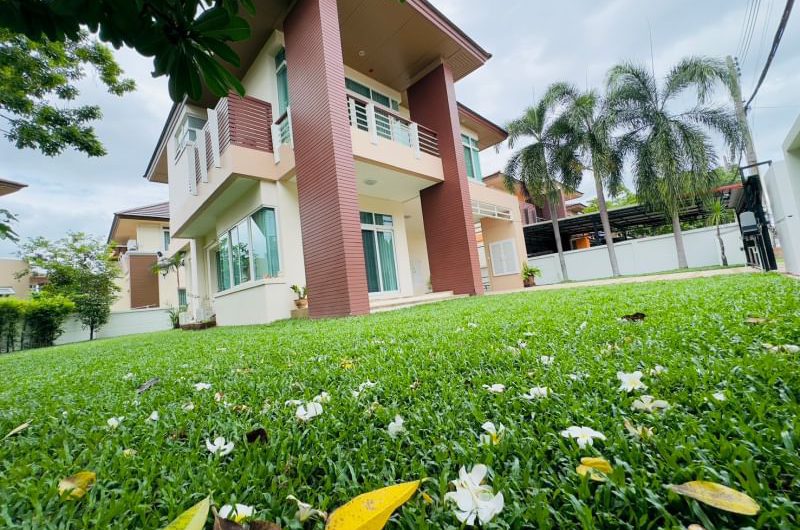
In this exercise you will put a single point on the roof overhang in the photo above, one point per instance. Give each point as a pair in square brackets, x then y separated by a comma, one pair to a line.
[489, 133]
[9, 186]
[792, 141]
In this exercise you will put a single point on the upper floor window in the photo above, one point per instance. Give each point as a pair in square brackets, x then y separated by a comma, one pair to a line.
[165, 237]
[471, 158]
[187, 131]
[373, 95]
[283, 81]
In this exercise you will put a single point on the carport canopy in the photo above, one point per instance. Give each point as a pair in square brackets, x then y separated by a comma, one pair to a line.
[539, 238]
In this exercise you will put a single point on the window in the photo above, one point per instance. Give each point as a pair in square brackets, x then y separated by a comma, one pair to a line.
[504, 257]
[377, 238]
[166, 237]
[283, 82]
[248, 251]
[374, 95]
[471, 157]
[187, 132]
[182, 298]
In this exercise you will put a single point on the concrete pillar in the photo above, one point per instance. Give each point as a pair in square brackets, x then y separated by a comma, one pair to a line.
[446, 207]
[326, 177]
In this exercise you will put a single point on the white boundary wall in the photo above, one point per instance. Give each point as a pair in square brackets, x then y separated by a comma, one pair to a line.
[120, 323]
[644, 256]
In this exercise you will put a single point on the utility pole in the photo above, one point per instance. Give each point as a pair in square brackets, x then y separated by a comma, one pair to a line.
[741, 116]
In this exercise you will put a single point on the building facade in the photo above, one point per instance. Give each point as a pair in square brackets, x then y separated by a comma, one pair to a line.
[349, 167]
[140, 237]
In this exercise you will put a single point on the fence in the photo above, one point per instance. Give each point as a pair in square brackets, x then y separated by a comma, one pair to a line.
[121, 323]
[644, 256]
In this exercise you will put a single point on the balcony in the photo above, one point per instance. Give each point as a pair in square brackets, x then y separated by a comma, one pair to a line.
[393, 141]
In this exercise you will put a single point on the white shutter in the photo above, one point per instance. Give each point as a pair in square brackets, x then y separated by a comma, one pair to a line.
[504, 257]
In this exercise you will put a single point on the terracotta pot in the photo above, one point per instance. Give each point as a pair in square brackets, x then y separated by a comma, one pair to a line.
[301, 303]
[529, 282]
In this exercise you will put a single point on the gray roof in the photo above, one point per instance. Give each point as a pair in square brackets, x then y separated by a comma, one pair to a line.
[159, 211]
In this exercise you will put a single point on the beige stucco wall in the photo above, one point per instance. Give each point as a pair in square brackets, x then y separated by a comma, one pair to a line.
[417, 246]
[9, 267]
[498, 230]
[396, 155]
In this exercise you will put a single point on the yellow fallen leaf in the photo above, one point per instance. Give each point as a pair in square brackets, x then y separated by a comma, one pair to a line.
[718, 496]
[18, 429]
[591, 466]
[192, 519]
[372, 510]
[74, 487]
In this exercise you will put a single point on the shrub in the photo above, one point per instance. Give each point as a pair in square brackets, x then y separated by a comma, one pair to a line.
[43, 318]
[11, 315]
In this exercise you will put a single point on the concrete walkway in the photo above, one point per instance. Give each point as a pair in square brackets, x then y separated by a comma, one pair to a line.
[637, 279]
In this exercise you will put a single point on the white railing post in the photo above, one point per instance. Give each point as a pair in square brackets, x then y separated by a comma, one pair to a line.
[351, 105]
[213, 129]
[276, 142]
[203, 155]
[190, 172]
[413, 131]
[289, 125]
[371, 125]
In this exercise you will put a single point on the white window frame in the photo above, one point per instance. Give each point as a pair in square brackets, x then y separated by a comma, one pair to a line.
[382, 228]
[497, 253]
[164, 234]
[181, 136]
[475, 151]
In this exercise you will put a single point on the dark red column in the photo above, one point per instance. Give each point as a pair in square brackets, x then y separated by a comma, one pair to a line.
[326, 175]
[446, 207]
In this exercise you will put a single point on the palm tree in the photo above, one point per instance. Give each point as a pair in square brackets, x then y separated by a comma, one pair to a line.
[672, 153]
[587, 118]
[545, 166]
[173, 263]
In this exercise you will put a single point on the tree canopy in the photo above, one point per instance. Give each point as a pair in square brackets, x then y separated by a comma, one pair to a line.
[187, 39]
[37, 83]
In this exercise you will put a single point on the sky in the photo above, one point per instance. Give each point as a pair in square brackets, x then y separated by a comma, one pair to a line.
[533, 43]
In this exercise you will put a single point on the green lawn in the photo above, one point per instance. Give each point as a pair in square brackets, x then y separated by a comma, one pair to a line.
[429, 364]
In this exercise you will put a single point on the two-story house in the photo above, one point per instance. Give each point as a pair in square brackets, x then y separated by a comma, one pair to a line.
[141, 236]
[349, 167]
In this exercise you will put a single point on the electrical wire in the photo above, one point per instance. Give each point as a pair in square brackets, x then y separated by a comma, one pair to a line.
[775, 43]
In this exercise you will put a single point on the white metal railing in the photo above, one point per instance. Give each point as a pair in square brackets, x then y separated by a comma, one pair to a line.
[380, 122]
[282, 133]
[485, 209]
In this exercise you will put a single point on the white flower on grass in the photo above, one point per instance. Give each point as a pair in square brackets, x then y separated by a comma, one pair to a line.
[362, 387]
[546, 360]
[496, 388]
[153, 416]
[294, 402]
[583, 435]
[719, 396]
[129, 453]
[218, 396]
[323, 397]
[583, 325]
[188, 407]
[537, 392]
[305, 511]
[657, 370]
[396, 427]
[493, 435]
[474, 500]
[639, 431]
[113, 423]
[528, 334]
[308, 411]
[649, 404]
[522, 344]
[472, 324]
[631, 381]
[202, 386]
[219, 447]
[577, 376]
[128, 377]
[237, 513]
[786, 348]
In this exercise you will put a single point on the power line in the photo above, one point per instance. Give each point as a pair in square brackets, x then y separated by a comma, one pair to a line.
[746, 48]
[775, 42]
[746, 23]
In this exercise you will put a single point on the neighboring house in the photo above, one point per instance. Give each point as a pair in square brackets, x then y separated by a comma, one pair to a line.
[140, 237]
[349, 167]
[11, 285]
[9, 186]
[535, 209]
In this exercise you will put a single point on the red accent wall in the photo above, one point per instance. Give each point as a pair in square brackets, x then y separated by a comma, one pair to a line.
[249, 121]
[326, 175]
[446, 207]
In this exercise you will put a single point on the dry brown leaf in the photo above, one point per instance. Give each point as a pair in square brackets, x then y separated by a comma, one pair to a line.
[75, 486]
[718, 496]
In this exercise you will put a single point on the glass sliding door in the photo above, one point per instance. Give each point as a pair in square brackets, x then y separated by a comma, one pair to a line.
[377, 236]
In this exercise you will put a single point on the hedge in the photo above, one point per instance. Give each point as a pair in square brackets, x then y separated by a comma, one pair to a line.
[32, 323]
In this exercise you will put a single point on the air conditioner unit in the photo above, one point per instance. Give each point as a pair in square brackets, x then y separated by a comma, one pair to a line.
[132, 244]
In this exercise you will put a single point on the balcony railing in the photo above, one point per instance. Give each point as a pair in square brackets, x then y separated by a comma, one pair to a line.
[243, 122]
[380, 122]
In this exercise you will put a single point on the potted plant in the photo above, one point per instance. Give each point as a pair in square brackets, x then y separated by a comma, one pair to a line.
[529, 275]
[302, 296]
